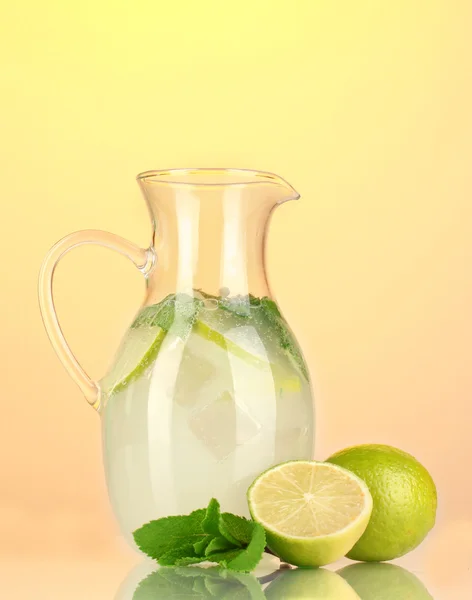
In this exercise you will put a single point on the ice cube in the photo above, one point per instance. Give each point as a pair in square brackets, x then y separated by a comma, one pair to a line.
[195, 374]
[222, 425]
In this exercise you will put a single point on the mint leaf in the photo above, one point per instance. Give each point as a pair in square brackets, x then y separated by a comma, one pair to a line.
[245, 559]
[189, 560]
[236, 528]
[226, 533]
[159, 537]
[271, 309]
[201, 545]
[223, 558]
[212, 518]
[177, 312]
[180, 317]
[248, 559]
[218, 544]
[287, 341]
[186, 552]
[182, 540]
[149, 316]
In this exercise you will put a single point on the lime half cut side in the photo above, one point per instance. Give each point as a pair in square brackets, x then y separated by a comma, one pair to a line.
[313, 512]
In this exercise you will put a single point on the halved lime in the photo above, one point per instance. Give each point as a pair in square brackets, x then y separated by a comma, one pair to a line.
[313, 512]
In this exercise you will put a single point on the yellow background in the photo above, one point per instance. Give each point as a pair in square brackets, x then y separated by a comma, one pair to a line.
[365, 107]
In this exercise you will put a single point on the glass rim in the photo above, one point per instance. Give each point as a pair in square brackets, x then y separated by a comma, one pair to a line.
[218, 176]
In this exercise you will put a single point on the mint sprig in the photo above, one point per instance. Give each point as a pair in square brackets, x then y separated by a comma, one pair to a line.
[157, 538]
[231, 541]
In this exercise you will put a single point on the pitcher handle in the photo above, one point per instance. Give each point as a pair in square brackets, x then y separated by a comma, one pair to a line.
[143, 259]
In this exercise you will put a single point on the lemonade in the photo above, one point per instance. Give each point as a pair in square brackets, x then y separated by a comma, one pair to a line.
[205, 393]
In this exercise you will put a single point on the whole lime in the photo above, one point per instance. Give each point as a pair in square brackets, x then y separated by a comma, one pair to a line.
[404, 496]
[384, 582]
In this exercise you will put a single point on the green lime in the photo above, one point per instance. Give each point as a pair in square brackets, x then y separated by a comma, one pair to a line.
[404, 495]
[313, 513]
[309, 584]
[384, 582]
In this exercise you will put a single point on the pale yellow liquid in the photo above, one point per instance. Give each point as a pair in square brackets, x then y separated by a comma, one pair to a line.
[204, 421]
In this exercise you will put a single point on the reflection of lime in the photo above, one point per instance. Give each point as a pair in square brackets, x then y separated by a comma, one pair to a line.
[310, 584]
[404, 500]
[384, 582]
[313, 513]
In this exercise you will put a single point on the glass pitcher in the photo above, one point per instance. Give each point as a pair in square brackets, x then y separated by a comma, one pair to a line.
[209, 387]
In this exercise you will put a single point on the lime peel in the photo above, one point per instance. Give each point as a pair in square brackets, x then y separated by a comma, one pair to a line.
[405, 500]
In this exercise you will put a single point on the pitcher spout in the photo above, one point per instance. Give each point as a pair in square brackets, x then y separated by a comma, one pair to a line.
[209, 228]
[286, 191]
[219, 177]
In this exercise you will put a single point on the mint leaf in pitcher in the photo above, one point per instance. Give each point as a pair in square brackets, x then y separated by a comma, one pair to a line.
[177, 312]
[287, 341]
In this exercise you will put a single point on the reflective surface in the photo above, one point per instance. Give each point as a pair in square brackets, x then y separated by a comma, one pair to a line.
[355, 581]
[439, 569]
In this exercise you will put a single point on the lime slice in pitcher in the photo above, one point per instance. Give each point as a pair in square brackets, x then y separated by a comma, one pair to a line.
[182, 317]
[285, 380]
[138, 351]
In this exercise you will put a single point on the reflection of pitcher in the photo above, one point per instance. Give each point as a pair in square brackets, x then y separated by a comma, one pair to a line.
[209, 387]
